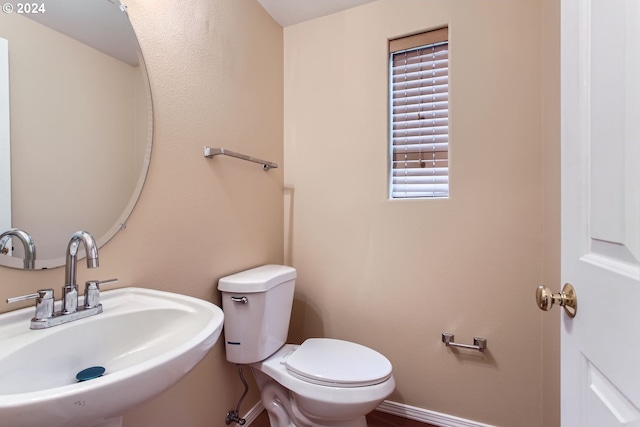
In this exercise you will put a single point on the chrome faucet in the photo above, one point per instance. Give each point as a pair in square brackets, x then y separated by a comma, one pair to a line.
[70, 288]
[45, 316]
[27, 242]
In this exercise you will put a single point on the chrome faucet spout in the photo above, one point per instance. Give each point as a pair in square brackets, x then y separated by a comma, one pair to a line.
[27, 243]
[70, 289]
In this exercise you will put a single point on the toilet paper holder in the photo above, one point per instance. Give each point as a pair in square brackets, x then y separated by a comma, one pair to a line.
[479, 343]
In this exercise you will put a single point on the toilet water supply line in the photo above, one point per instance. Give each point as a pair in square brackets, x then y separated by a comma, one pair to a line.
[233, 416]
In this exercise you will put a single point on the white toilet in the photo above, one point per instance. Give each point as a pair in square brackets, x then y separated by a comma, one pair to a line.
[323, 382]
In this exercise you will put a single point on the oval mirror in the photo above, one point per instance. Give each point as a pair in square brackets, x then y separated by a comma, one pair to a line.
[75, 124]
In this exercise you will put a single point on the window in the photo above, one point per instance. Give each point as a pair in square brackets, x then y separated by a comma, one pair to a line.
[419, 115]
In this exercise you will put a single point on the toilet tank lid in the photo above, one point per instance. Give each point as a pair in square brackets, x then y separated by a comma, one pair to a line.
[259, 279]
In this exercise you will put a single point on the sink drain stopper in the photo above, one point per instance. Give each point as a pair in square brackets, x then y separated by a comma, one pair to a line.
[90, 373]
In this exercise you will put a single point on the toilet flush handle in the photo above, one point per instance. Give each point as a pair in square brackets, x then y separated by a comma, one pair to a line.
[243, 300]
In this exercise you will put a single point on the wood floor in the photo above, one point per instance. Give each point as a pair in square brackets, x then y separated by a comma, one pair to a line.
[374, 419]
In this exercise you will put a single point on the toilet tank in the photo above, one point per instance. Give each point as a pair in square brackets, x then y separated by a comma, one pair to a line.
[257, 309]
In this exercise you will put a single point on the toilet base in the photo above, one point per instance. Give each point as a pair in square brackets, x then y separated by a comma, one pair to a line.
[361, 422]
[283, 411]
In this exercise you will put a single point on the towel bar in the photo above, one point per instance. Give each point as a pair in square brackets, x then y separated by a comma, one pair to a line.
[479, 343]
[210, 152]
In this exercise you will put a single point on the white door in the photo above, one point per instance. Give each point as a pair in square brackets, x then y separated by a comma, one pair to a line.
[601, 212]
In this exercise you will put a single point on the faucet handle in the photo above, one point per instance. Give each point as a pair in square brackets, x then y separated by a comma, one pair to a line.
[44, 303]
[92, 292]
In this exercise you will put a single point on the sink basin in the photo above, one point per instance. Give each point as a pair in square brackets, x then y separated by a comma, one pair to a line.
[145, 339]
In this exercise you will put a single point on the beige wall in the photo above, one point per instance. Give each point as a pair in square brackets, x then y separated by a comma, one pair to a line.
[551, 208]
[70, 102]
[391, 275]
[198, 219]
[394, 275]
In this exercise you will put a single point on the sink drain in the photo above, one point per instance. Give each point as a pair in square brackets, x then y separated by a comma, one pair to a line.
[90, 373]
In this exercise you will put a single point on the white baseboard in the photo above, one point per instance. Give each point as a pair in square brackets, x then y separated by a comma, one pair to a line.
[253, 413]
[399, 410]
[426, 416]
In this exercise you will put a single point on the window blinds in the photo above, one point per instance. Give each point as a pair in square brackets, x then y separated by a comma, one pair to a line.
[419, 76]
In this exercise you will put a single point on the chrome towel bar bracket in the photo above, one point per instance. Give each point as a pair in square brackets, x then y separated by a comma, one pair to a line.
[210, 152]
[479, 344]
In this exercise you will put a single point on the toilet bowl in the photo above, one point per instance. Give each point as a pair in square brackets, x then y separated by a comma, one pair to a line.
[326, 393]
[323, 381]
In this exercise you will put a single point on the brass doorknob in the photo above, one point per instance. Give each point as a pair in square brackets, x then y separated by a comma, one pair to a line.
[567, 298]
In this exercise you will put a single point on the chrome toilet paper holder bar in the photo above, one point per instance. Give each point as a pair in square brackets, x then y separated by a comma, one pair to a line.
[479, 343]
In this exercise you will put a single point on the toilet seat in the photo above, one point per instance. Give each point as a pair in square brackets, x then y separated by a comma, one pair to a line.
[337, 363]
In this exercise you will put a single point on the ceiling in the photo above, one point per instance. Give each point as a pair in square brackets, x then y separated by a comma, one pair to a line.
[290, 12]
[98, 23]
[103, 25]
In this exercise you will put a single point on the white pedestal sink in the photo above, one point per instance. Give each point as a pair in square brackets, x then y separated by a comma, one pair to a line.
[145, 339]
